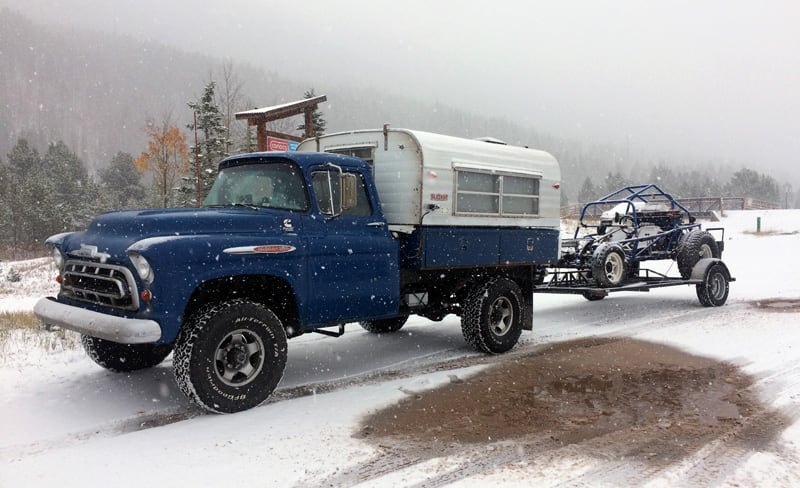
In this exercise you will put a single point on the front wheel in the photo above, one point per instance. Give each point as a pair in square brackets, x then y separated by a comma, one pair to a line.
[230, 356]
[713, 291]
[492, 319]
[123, 358]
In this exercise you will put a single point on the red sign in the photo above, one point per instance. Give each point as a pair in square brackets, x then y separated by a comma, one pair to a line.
[276, 144]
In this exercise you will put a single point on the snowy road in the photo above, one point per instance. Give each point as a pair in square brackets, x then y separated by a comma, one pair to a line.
[65, 422]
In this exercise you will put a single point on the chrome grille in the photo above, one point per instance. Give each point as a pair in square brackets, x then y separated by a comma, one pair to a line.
[102, 284]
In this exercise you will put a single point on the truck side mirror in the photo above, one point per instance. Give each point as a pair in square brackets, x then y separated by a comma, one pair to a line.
[349, 191]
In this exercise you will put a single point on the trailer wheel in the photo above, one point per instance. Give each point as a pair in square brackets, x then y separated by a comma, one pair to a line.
[609, 267]
[230, 356]
[384, 325]
[122, 358]
[697, 245]
[492, 319]
[713, 291]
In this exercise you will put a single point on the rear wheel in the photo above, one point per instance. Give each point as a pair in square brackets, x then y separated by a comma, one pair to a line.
[230, 356]
[695, 246]
[492, 318]
[123, 358]
[384, 325]
[713, 292]
[609, 268]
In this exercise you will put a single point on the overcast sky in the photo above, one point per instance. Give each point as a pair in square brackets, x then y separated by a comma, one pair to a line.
[717, 79]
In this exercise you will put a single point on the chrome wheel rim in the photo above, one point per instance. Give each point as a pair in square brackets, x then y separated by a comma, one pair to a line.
[501, 316]
[239, 357]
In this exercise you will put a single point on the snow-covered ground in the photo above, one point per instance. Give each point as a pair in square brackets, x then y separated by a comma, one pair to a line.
[66, 422]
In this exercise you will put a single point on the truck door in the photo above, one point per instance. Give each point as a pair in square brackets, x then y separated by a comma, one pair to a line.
[353, 265]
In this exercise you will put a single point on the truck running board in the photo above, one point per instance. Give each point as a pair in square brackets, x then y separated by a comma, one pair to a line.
[331, 333]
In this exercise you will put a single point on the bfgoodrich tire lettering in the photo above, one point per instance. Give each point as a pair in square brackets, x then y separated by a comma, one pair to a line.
[123, 358]
[230, 356]
[492, 319]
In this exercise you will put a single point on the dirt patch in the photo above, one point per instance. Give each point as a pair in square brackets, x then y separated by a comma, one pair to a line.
[778, 304]
[615, 398]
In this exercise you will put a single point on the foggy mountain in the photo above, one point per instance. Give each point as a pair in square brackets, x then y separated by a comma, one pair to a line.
[95, 90]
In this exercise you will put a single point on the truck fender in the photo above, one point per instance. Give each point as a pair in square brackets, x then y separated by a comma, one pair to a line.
[700, 270]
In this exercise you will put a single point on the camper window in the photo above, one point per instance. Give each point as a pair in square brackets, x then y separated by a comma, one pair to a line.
[492, 194]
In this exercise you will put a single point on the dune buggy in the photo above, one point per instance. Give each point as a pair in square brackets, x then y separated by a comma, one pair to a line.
[634, 224]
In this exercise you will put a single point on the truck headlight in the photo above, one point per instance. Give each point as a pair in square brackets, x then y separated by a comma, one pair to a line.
[58, 258]
[143, 268]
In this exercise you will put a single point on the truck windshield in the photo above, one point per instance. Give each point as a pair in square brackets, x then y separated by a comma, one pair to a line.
[272, 185]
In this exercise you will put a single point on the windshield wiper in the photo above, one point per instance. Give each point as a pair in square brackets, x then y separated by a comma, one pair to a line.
[245, 205]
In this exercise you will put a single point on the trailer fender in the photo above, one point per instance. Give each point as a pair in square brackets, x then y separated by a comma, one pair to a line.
[700, 270]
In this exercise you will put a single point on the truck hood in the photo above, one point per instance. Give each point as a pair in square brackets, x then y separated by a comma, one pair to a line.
[114, 232]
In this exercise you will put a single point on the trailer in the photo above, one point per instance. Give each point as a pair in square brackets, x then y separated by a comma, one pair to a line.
[639, 224]
[710, 276]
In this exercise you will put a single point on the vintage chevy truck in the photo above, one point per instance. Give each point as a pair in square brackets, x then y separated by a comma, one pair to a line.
[366, 226]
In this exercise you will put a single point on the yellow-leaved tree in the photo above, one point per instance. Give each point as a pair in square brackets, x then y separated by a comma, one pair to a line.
[166, 157]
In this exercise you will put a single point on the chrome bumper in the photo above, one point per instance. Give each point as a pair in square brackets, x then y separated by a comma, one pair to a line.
[108, 327]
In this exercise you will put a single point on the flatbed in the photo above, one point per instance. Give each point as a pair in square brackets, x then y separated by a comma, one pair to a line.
[710, 277]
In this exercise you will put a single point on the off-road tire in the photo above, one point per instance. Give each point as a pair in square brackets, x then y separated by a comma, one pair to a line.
[713, 291]
[609, 267]
[230, 356]
[384, 326]
[492, 319]
[698, 244]
[123, 358]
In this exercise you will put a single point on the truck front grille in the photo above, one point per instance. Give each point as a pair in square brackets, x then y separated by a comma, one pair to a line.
[101, 284]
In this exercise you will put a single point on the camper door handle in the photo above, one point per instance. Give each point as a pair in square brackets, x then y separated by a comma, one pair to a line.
[376, 224]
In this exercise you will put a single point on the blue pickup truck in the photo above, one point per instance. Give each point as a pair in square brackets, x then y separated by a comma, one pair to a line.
[366, 226]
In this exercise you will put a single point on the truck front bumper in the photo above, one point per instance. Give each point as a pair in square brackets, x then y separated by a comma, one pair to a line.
[95, 324]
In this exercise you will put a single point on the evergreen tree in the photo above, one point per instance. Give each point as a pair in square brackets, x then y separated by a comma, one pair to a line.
[318, 122]
[751, 184]
[588, 191]
[614, 182]
[7, 191]
[212, 146]
[122, 187]
[23, 159]
[67, 175]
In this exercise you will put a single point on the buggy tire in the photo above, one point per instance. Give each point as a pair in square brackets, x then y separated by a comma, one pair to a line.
[123, 358]
[230, 356]
[384, 326]
[696, 245]
[713, 291]
[609, 267]
[492, 319]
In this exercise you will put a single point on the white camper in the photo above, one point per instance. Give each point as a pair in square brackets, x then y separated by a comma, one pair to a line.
[437, 180]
